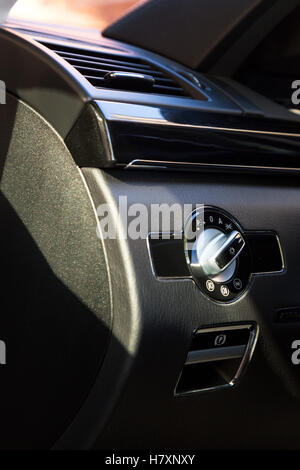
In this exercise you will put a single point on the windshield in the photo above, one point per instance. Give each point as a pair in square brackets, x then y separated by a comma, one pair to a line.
[85, 13]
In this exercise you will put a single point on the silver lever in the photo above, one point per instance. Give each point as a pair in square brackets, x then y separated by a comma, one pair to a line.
[220, 251]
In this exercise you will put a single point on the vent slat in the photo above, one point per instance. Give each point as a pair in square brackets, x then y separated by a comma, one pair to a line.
[97, 60]
[158, 81]
[60, 50]
[94, 65]
[166, 90]
[162, 84]
[113, 68]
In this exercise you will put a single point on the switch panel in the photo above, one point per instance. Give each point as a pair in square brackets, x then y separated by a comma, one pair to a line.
[217, 255]
[215, 251]
[217, 357]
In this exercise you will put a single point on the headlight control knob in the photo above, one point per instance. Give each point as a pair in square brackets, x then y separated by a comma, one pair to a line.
[217, 254]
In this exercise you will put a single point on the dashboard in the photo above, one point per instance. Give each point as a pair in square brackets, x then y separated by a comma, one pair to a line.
[185, 334]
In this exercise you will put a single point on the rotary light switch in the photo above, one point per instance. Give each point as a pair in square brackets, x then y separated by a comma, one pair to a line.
[217, 254]
[217, 251]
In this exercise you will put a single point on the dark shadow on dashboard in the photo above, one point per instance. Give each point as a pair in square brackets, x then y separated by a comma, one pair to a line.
[55, 343]
[8, 113]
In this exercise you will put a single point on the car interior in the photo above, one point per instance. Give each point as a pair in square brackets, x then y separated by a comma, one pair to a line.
[150, 207]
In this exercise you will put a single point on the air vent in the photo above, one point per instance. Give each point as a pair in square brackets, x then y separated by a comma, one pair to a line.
[94, 66]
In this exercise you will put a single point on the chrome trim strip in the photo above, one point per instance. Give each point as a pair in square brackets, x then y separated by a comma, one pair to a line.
[126, 112]
[215, 354]
[106, 139]
[239, 326]
[162, 164]
[254, 331]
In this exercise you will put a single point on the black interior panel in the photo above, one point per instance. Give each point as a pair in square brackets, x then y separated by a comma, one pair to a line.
[55, 319]
[137, 343]
[267, 396]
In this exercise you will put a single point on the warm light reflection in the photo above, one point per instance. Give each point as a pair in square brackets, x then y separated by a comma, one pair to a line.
[86, 13]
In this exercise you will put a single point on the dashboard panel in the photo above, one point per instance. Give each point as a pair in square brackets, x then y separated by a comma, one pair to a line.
[157, 345]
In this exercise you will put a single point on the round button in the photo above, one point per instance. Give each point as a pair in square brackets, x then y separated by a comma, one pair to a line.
[237, 283]
[225, 291]
[210, 286]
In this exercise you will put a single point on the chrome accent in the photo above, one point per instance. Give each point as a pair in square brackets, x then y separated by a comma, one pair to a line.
[250, 347]
[240, 326]
[152, 115]
[111, 76]
[215, 248]
[215, 354]
[106, 139]
[208, 240]
[195, 269]
[163, 164]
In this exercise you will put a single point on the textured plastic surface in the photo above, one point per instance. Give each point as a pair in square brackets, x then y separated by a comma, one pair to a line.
[55, 294]
[269, 392]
